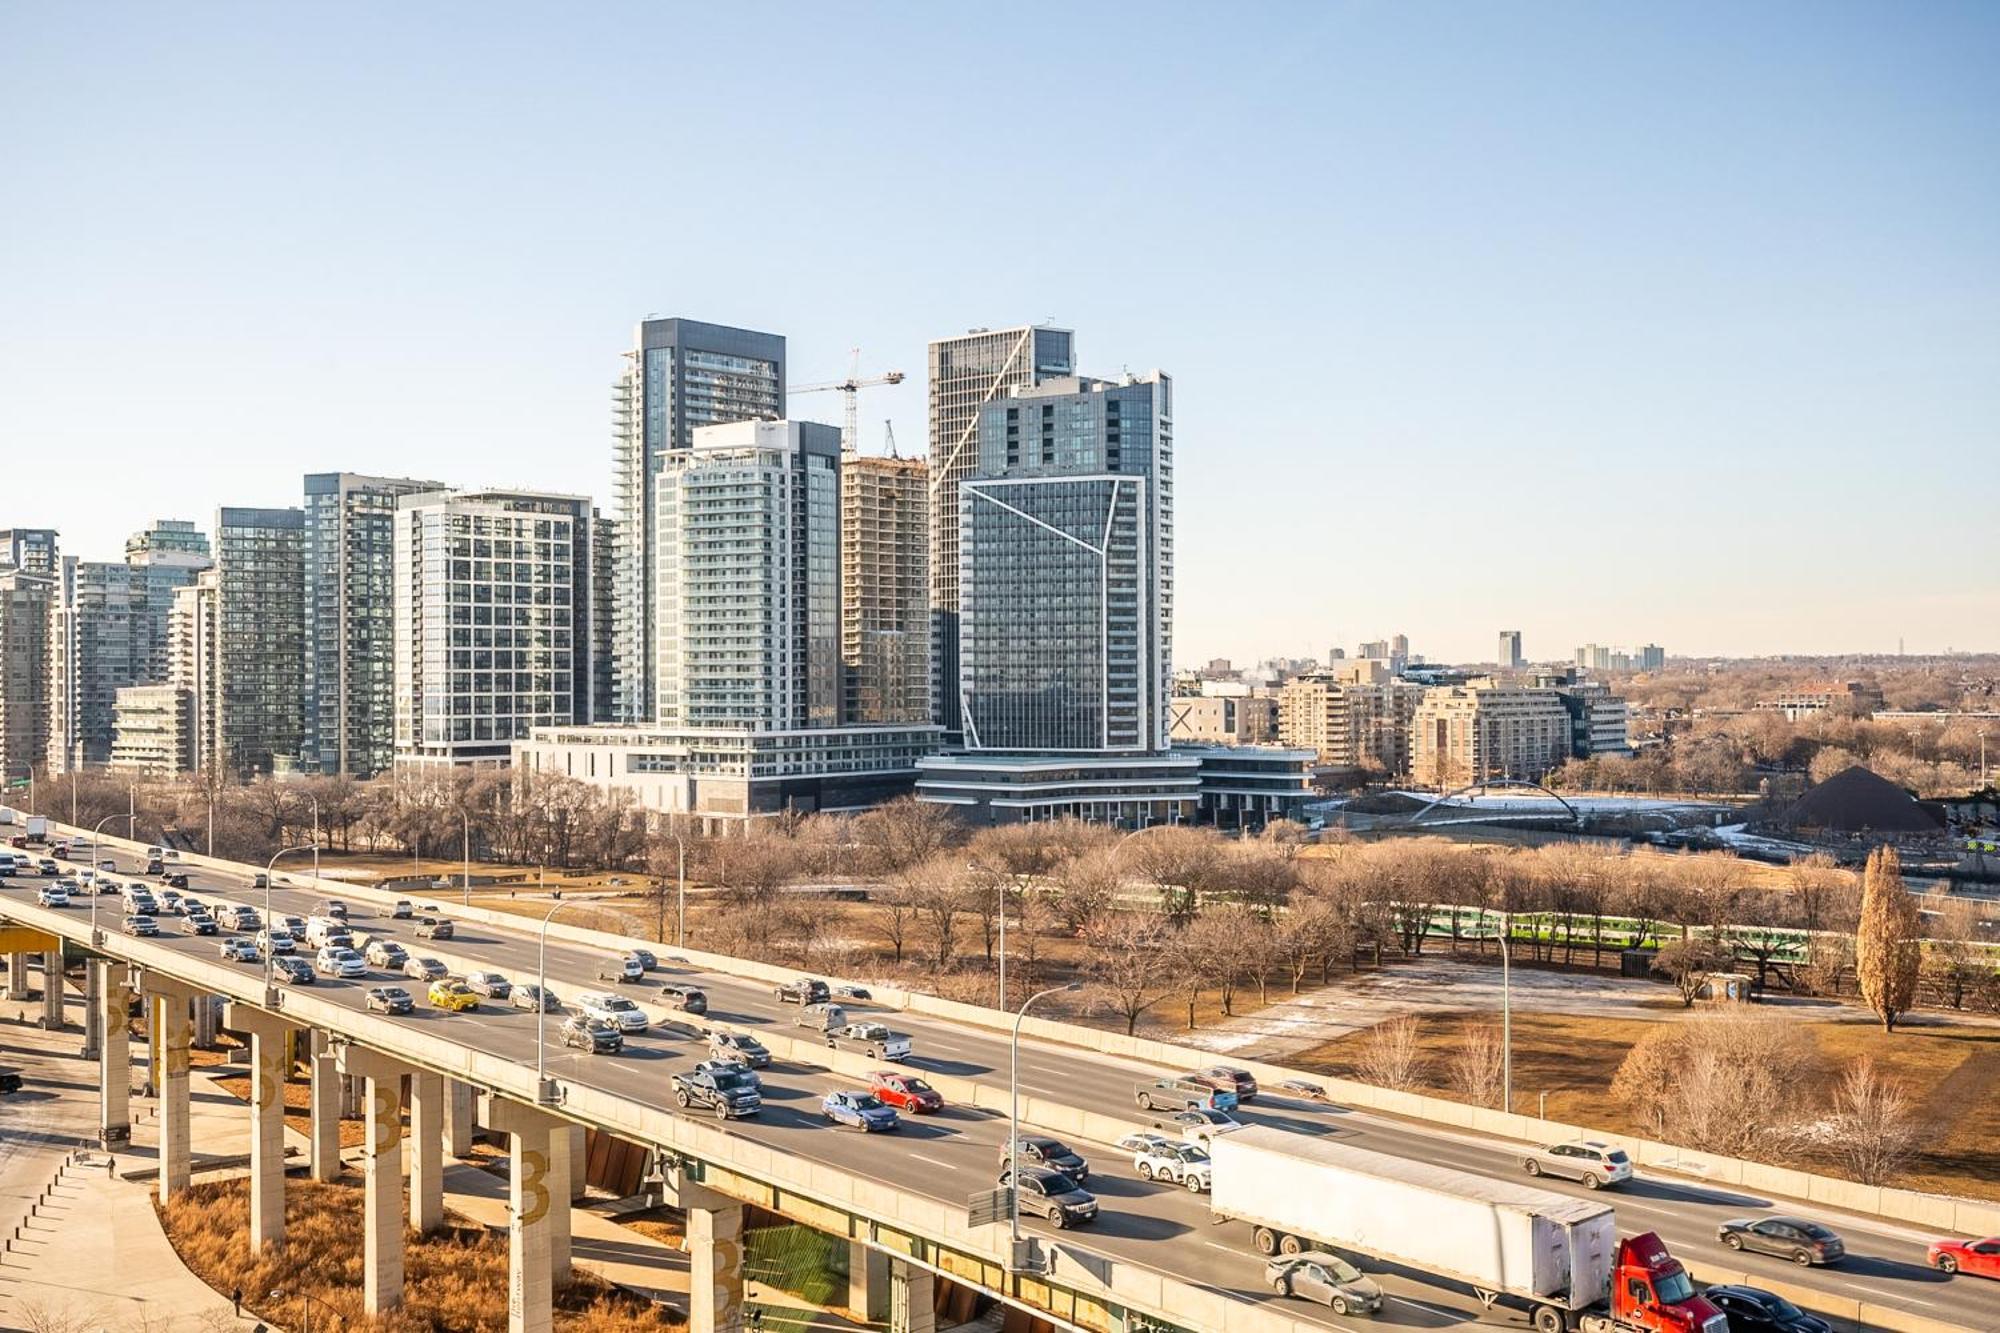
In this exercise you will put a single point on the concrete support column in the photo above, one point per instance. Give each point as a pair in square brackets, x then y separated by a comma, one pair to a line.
[326, 1082]
[912, 1298]
[561, 1169]
[17, 976]
[461, 1117]
[715, 1260]
[382, 1188]
[268, 1045]
[579, 1163]
[52, 989]
[114, 1054]
[351, 1098]
[92, 1003]
[531, 1208]
[867, 1282]
[427, 1102]
[172, 1030]
[207, 1020]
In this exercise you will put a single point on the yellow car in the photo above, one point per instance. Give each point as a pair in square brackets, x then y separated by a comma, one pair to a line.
[453, 995]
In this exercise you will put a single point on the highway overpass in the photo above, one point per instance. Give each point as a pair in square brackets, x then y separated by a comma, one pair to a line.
[1153, 1260]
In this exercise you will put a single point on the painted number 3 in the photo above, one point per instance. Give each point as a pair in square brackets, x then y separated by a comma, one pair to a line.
[534, 1193]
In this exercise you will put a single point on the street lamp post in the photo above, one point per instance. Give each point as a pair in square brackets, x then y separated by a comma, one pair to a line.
[680, 930]
[466, 850]
[95, 891]
[542, 1003]
[1014, 1120]
[268, 866]
[315, 842]
[1506, 1015]
[980, 868]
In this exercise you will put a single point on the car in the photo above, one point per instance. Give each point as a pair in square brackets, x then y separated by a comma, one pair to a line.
[1595, 1163]
[199, 923]
[847, 990]
[647, 962]
[729, 1090]
[804, 991]
[48, 867]
[108, 865]
[277, 941]
[688, 999]
[293, 970]
[170, 854]
[753, 1052]
[424, 969]
[1229, 1079]
[1144, 1139]
[905, 1092]
[334, 960]
[735, 1063]
[295, 926]
[613, 1009]
[863, 1110]
[1041, 1150]
[386, 953]
[190, 903]
[1061, 1201]
[433, 928]
[403, 910]
[453, 995]
[391, 1000]
[873, 1039]
[824, 1016]
[156, 867]
[10, 1081]
[1315, 1275]
[1804, 1242]
[593, 1035]
[236, 949]
[1754, 1310]
[140, 924]
[170, 902]
[52, 895]
[490, 984]
[260, 881]
[332, 907]
[1199, 1126]
[174, 879]
[532, 997]
[1184, 1164]
[627, 968]
[1980, 1258]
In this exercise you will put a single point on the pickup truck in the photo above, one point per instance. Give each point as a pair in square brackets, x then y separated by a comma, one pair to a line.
[874, 1038]
[729, 1093]
[804, 991]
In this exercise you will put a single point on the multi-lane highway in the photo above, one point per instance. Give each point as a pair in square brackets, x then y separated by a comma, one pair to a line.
[951, 1155]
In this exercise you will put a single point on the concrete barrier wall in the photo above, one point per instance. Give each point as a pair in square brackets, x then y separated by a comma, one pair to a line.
[1970, 1217]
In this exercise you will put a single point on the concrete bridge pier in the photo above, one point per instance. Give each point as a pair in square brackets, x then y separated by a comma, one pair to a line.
[92, 1002]
[867, 1282]
[562, 1193]
[17, 976]
[382, 1189]
[579, 1163]
[912, 1298]
[326, 1085]
[715, 1260]
[172, 1032]
[269, 1042]
[114, 1054]
[52, 989]
[532, 1205]
[461, 1117]
[427, 1106]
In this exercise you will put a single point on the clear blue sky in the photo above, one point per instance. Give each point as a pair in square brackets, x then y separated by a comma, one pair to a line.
[1608, 322]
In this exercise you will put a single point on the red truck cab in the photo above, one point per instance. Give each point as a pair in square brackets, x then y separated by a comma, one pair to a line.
[1650, 1290]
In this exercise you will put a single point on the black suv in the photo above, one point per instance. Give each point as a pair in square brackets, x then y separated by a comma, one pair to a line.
[1040, 1150]
[1055, 1196]
[593, 1035]
[1754, 1310]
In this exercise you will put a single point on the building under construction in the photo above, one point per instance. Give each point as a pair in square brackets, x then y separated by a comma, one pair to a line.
[885, 634]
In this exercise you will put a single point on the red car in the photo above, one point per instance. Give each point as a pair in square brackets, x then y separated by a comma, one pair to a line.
[1981, 1258]
[905, 1092]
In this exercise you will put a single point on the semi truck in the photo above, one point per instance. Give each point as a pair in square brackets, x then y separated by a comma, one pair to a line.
[1559, 1258]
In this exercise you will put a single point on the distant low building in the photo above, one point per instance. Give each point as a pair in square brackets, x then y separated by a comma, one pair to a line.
[1357, 717]
[1600, 723]
[1488, 729]
[1222, 719]
[1844, 698]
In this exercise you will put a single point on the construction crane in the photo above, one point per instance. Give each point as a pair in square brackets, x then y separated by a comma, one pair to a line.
[850, 434]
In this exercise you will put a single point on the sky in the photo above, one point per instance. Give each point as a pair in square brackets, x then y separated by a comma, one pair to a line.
[1613, 323]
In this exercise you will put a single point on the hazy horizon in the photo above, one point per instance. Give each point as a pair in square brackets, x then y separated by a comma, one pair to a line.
[1607, 325]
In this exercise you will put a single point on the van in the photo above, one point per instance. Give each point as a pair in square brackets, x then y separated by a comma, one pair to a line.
[1179, 1093]
[318, 928]
[821, 1017]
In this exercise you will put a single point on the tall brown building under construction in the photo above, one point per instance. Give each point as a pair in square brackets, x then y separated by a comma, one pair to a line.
[885, 628]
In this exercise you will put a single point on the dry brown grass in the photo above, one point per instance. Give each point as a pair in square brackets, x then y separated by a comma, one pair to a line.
[1952, 1071]
[454, 1280]
[661, 1224]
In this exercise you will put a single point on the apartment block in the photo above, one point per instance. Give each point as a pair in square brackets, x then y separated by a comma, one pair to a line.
[24, 671]
[30, 549]
[154, 731]
[885, 630]
[258, 714]
[193, 664]
[91, 656]
[1222, 719]
[1509, 656]
[350, 624]
[1487, 729]
[164, 557]
[1600, 723]
[1357, 717]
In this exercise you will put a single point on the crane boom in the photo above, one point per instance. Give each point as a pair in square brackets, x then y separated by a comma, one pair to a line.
[850, 434]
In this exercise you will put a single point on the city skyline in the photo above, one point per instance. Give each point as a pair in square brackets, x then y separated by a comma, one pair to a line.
[1785, 298]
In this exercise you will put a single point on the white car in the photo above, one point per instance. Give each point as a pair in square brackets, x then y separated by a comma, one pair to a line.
[489, 984]
[334, 961]
[52, 895]
[387, 953]
[1184, 1164]
[277, 941]
[237, 950]
[1199, 1126]
[616, 1010]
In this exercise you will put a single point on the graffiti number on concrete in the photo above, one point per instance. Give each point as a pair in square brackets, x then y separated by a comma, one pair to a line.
[534, 1189]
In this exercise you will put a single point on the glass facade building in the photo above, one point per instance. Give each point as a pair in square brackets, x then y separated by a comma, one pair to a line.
[258, 718]
[966, 373]
[164, 557]
[680, 375]
[91, 657]
[492, 621]
[350, 544]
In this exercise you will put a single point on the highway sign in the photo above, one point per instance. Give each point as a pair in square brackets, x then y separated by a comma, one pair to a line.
[988, 1207]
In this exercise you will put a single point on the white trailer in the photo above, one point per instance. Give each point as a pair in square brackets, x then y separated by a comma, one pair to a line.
[1299, 1193]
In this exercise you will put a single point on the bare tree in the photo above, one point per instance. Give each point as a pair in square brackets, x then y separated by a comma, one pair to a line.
[1887, 947]
[1475, 1068]
[1127, 964]
[906, 832]
[1877, 1131]
[939, 892]
[1724, 1082]
[1391, 1054]
[897, 899]
[1688, 964]
[1180, 860]
[1086, 886]
[1954, 964]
